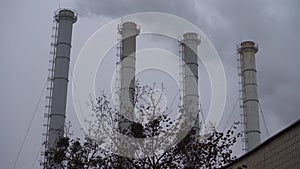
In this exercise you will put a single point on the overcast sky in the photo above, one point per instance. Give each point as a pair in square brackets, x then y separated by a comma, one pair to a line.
[25, 38]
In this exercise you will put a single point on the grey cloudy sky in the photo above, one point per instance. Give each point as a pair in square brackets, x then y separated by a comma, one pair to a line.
[25, 37]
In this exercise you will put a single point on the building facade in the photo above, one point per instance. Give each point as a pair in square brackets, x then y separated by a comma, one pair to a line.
[281, 151]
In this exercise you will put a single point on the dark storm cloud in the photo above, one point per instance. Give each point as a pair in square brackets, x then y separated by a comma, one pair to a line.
[25, 37]
[274, 25]
[125, 7]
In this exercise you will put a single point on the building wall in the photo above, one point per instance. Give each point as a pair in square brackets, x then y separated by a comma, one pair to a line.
[281, 151]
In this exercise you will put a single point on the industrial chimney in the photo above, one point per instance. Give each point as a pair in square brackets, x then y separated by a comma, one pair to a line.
[189, 45]
[247, 51]
[65, 19]
[128, 32]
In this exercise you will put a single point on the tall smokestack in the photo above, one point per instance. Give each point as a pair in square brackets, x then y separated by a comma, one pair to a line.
[190, 44]
[247, 51]
[65, 19]
[128, 32]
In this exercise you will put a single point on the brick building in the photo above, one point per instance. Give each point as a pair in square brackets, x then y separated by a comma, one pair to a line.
[282, 151]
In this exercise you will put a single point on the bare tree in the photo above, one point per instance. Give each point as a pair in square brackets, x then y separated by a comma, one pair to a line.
[150, 142]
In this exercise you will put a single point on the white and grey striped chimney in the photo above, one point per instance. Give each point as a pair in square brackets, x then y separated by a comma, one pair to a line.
[128, 32]
[190, 45]
[65, 19]
[247, 51]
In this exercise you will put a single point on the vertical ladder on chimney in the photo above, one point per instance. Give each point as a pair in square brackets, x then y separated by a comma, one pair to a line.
[117, 87]
[181, 74]
[48, 103]
[241, 94]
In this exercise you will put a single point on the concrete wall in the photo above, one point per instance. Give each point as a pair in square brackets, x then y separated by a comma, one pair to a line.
[281, 151]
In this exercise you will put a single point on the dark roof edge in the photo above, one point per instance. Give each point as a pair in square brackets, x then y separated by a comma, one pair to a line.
[265, 142]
